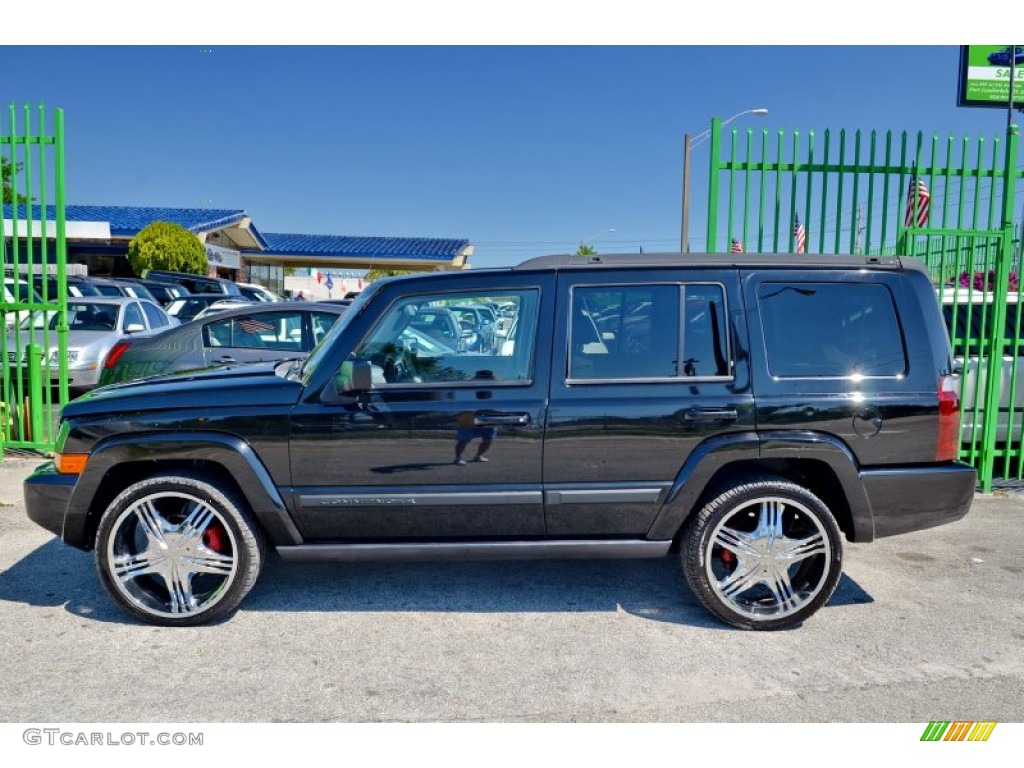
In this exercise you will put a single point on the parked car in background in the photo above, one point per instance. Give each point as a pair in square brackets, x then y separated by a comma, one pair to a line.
[163, 293]
[195, 283]
[260, 332]
[224, 304]
[969, 316]
[20, 291]
[186, 308]
[442, 324]
[255, 292]
[77, 286]
[481, 319]
[95, 325]
[112, 286]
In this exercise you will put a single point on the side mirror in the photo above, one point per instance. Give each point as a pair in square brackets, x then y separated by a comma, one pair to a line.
[134, 328]
[354, 376]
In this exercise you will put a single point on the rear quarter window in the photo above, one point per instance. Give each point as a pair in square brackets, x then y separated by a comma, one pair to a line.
[831, 330]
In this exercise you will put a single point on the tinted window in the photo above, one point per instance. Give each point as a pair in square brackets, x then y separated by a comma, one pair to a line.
[89, 317]
[270, 330]
[830, 330]
[156, 318]
[648, 332]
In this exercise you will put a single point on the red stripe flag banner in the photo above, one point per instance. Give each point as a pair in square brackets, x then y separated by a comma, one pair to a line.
[919, 201]
[737, 246]
[800, 234]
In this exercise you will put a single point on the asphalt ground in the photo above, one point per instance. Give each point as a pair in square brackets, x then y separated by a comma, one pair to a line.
[925, 626]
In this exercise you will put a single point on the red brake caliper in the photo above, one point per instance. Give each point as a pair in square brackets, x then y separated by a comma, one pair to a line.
[215, 537]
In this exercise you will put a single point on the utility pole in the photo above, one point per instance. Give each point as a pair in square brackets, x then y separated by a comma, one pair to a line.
[684, 234]
[859, 247]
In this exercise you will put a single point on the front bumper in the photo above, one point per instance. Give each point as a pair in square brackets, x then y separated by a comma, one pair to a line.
[912, 498]
[47, 493]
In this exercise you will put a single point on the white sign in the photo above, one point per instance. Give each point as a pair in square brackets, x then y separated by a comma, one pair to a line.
[223, 257]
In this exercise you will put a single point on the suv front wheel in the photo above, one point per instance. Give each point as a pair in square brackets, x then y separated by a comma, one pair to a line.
[763, 555]
[176, 550]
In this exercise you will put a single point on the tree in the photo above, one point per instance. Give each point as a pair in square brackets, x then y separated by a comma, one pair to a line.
[377, 274]
[7, 170]
[164, 245]
[586, 250]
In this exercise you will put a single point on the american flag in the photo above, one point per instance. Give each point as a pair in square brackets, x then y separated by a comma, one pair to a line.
[252, 325]
[800, 234]
[737, 246]
[922, 204]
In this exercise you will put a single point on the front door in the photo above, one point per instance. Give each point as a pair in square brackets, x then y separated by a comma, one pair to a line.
[448, 442]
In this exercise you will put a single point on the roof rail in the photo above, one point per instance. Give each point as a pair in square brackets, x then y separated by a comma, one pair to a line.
[738, 260]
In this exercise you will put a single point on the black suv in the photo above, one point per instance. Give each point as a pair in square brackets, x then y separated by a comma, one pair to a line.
[751, 410]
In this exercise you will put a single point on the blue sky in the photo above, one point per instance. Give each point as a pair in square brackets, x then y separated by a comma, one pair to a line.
[524, 150]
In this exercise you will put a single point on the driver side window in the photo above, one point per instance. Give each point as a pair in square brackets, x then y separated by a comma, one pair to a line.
[421, 340]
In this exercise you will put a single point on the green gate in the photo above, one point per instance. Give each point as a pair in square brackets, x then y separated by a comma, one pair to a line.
[33, 308]
[949, 203]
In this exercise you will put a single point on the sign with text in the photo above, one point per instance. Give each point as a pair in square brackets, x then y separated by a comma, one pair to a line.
[985, 76]
[223, 257]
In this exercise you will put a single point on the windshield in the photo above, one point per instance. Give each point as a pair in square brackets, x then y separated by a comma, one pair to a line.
[318, 353]
[84, 316]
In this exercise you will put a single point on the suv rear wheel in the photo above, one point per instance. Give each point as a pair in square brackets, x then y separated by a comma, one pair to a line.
[176, 550]
[763, 555]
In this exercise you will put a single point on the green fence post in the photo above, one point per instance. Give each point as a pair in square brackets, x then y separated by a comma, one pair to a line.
[995, 345]
[716, 151]
[34, 360]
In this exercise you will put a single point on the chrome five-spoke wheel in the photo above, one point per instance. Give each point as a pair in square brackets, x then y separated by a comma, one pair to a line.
[764, 555]
[177, 550]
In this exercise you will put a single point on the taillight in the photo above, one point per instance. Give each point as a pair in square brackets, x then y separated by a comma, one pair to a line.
[115, 353]
[949, 420]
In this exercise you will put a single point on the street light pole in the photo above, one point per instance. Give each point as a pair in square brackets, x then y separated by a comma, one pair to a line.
[689, 142]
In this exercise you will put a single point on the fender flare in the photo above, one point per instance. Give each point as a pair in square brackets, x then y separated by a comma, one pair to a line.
[229, 451]
[718, 452]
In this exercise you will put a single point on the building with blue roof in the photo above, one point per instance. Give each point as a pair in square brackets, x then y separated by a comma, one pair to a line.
[98, 237]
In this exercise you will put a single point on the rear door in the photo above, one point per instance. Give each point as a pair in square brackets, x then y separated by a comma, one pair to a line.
[647, 365]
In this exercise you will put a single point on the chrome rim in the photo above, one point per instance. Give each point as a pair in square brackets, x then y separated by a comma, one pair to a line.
[172, 554]
[769, 558]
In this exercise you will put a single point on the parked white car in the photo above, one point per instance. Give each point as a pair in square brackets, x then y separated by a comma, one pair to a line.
[95, 325]
[969, 314]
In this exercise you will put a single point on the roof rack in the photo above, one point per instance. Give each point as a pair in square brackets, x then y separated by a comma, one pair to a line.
[739, 260]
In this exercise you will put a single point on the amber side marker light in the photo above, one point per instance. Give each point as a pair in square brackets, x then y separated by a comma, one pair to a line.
[70, 463]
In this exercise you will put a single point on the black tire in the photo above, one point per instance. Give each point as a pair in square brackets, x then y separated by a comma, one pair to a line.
[178, 550]
[734, 563]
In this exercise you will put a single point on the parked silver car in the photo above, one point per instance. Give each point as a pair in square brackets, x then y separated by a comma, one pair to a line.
[95, 325]
[257, 332]
[969, 315]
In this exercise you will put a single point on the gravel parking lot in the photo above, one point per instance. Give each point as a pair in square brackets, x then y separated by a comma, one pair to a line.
[924, 626]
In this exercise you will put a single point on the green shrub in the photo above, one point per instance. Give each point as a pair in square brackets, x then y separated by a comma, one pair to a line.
[163, 245]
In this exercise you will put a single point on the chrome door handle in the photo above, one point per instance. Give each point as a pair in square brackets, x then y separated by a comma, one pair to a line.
[499, 419]
[711, 414]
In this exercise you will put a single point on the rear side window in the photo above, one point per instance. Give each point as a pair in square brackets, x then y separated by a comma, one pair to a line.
[642, 332]
[831, 330]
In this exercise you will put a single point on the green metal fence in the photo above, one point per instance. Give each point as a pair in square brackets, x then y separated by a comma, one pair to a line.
[32, 247]
[857, 192]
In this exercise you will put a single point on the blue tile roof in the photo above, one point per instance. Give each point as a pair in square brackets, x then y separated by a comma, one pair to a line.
[127, 221]
[428, 249]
